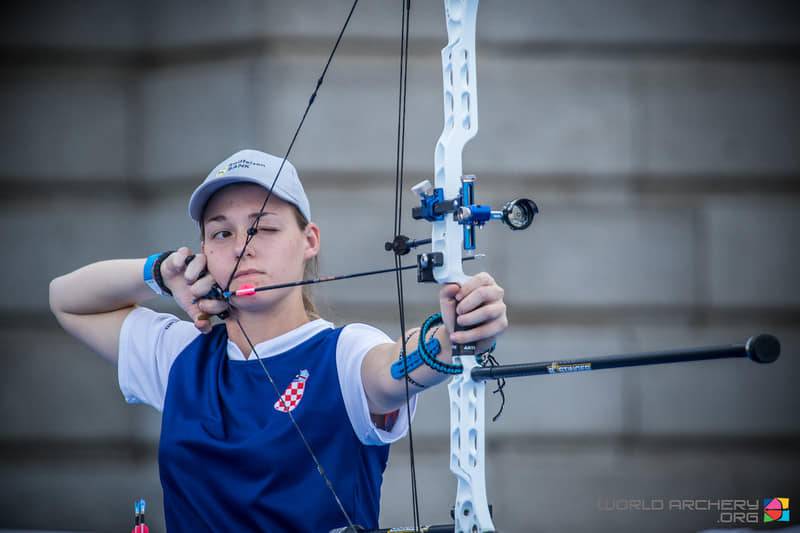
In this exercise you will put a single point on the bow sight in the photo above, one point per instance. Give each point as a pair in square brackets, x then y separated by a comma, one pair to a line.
[517, 214]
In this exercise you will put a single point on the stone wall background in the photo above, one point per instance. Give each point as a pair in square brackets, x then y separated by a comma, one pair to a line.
[660, 140]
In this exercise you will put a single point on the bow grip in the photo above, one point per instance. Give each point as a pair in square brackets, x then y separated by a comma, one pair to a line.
[463, 349]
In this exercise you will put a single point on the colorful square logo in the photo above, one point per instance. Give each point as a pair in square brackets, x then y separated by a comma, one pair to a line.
[776, 509]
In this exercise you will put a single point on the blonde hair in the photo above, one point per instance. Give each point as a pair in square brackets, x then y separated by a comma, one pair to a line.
[310, 268]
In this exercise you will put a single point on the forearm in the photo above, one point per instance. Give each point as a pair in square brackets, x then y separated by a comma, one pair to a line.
[386, 394]
[100, 287]
[422, 377]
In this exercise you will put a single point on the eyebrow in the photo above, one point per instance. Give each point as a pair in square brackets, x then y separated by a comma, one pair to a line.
[223, 218]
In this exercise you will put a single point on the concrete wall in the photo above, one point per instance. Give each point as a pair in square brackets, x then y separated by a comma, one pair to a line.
[660, 140]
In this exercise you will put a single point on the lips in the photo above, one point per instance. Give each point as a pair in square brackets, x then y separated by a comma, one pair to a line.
[248, 272]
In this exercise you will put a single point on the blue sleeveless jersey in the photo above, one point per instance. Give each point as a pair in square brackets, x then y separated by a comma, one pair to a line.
[229, 460]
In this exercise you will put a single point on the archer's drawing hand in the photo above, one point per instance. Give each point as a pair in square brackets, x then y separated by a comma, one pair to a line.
[478, 305]
[189, 283]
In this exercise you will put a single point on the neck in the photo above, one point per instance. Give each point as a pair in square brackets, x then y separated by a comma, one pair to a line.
[265, 325]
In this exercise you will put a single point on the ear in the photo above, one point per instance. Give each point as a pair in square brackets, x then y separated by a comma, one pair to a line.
[312, 241]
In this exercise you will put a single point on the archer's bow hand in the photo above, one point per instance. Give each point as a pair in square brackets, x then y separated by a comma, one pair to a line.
[479, 306]
[189, 283]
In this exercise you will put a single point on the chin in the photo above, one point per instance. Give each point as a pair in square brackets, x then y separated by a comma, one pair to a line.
[258, 302]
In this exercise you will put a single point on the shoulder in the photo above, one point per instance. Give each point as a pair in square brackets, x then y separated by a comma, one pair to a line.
[149, 344]
[355, 342]
[159, 327]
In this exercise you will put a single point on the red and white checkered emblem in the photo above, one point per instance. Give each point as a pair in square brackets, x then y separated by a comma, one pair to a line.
[293, 394]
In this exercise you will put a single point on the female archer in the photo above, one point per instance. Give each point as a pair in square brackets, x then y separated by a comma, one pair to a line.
[238, 449]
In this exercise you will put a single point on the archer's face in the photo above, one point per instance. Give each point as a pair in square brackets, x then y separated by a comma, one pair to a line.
[277, 252]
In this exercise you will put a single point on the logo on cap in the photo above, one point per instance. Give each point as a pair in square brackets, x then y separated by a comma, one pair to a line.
[244, 163]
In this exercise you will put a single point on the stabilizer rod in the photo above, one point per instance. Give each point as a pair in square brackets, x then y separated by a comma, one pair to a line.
[423, 529]
[762, 348]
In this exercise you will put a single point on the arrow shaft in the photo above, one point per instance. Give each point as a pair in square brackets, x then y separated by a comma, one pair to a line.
[325, 279]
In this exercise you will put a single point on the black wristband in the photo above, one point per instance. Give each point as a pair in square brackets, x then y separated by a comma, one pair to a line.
[411, 380]
[157, 271]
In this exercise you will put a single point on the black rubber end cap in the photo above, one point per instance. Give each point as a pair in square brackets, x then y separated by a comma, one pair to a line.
[763, 348]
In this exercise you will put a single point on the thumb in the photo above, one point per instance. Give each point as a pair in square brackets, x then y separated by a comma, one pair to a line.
[447, 304]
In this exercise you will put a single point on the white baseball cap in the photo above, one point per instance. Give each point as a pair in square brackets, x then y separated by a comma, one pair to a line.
[252, 166]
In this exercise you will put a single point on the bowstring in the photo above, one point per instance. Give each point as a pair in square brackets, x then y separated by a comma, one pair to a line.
[398, 207]
[251, 233]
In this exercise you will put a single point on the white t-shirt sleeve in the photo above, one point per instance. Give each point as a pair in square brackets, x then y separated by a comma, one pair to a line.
[355, 341]
[149, 343]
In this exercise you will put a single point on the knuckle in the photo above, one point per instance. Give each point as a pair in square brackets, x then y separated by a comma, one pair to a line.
[197, 291]
[497, 314]
[217, 304]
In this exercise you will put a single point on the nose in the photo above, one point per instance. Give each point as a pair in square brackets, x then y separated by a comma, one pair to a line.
[240, 245]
